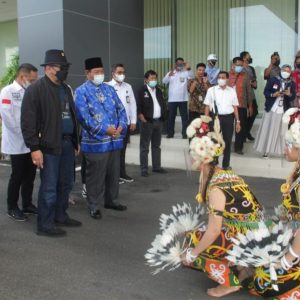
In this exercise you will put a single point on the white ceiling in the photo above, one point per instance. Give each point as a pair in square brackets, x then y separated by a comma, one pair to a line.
[8, 10]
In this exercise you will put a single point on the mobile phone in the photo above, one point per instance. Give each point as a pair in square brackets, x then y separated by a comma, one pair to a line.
[205, 74]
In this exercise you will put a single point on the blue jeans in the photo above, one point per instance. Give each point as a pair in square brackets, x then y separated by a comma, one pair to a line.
[57, 179]
[172, 115]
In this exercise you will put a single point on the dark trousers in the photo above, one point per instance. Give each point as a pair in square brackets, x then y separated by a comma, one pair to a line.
[227, 128]
[83, 170]
[193, 115]
[150, 133]
[241, 136]
[22, 177]
[123, 153]
[57, 179]
[250, 120]
[172, 116]
[102, 178]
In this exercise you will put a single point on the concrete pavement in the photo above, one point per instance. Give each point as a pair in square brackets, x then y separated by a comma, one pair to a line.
[105, 259]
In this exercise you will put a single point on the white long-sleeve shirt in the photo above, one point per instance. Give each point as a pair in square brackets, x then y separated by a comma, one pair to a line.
[126, 95]
[11, 98]
[178, 85]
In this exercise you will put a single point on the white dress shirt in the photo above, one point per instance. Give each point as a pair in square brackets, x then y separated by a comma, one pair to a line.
[11, 98]
[225, 99]
[126, 95]
[156, 106]
[178, 85]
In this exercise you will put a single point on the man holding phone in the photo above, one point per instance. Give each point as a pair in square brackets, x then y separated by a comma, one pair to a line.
[197, 89]
[177, 80]
[273, 69]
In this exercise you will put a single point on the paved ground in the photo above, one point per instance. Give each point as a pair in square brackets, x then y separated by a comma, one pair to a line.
[105, 259]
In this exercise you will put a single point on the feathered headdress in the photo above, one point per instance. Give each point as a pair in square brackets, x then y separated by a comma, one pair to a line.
[205, 145]
[292, 118]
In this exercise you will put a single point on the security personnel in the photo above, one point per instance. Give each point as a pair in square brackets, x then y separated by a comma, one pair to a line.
[104, 124]
[50, 130]
[126, 95]
[23, 170]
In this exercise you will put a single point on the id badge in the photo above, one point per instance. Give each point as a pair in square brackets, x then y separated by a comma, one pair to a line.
[181, 79]
[127, 99]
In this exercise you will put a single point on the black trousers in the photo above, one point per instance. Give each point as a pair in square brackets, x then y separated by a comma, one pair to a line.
[102, 178]
[123, 153]
[183, 110]
[250, 120]
[22, 177]
[83, 170]
[241, 136]
[227, 128]
[150, 133]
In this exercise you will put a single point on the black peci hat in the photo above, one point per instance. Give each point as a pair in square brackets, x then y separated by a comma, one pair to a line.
[55, 56]
[93, 62]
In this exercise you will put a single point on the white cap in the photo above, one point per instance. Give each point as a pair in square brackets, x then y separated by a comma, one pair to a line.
[212, 56]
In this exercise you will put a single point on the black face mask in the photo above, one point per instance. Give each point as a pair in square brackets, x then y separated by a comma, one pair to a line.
[250, 60]
[62, 74]
[277, 63]
[212, 62]
[298, 66]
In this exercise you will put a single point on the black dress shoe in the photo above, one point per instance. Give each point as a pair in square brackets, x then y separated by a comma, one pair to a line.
[69, 223]
[161, 171]
[96, 214]
[240, 152]
[118, 207]
[30, 209]
[184, 137]
[51, 232]
[250, 138]
[227, 168]
[144, 174]
[169, 136]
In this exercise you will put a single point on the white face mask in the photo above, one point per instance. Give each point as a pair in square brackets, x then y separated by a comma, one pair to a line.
[26, 84]
[98, 79]
[120, 77]
[222, 82]
[285, 75]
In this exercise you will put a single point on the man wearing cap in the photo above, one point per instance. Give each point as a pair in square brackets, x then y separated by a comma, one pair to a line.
[211, 69]
[104, 125]
[178, 96]
[126, 95]
[50, 131]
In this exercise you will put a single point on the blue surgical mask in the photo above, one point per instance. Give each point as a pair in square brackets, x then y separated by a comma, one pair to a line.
[238, 69]
[152, 83]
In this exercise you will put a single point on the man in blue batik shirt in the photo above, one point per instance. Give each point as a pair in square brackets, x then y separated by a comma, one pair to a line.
[211, 69]
[104, 124]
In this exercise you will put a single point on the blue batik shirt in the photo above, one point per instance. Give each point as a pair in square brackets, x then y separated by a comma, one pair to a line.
[212, 74]
[98, 108]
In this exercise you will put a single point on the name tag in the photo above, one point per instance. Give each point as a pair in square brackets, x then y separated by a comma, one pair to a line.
[146, 95]
[275, 86]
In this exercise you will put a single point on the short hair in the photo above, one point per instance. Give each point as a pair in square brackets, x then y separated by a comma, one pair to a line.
[237, 58]
[224, 72]
[26, 68]
[179, 58]
[201, 65]
[148, 73]
[115, 66]
[286, 66]
[243, 54]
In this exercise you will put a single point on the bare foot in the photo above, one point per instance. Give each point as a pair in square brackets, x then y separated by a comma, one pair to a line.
[222, 290]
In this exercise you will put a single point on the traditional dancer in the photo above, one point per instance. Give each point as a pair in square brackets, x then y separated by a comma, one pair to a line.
[232, 208]
[288, 272]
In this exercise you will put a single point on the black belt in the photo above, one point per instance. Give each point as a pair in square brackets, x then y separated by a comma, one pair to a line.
[228, 115]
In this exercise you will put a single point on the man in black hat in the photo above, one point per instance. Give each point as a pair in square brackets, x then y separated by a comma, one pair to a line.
[104, 123]
[50, 131]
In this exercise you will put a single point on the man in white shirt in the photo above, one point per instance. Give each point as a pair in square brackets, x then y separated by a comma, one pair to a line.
[177, 80]
[222, 100]
[151, 111]
[23, 169]
[126, 95]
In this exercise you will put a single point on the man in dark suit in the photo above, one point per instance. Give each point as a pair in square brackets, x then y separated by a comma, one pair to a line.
[151, 110]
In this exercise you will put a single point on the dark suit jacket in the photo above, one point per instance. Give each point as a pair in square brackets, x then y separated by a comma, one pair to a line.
[145, 104]
[273, 85]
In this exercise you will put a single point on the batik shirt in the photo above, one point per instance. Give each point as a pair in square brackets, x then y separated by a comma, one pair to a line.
[97, 109]
[196, 102]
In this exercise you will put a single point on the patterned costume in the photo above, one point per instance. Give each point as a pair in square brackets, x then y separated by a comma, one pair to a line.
[242, 211]
[288, 281]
